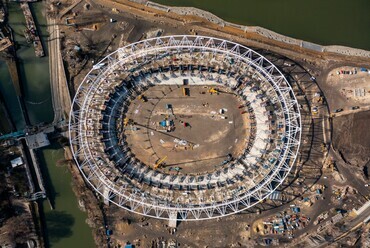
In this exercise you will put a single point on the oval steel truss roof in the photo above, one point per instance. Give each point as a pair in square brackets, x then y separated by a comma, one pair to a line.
[135, 55]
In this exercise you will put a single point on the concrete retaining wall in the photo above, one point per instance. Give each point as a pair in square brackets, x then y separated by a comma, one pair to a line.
[255, 29]
[362, 208]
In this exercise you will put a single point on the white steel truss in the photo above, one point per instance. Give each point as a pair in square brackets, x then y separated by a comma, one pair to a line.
[137, 55]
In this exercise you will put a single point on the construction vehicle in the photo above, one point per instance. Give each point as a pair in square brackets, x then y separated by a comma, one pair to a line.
[142, 98]
[185, 91]
[315, 110]
[213, 91]
[330, 165]
[169, 110]
[323, 147]
[127, 122]
[160, 162]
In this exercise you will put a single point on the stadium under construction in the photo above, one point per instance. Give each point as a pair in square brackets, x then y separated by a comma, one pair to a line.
[142, 119]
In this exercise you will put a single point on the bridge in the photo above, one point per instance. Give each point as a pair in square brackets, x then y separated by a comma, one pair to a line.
[37, 195]
[13, 135]
[47, 128]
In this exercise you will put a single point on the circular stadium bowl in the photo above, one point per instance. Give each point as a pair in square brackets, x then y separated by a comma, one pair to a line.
[108, 164]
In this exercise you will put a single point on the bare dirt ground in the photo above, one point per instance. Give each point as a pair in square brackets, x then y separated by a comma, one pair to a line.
[209, 137]
[352, 89]
[353, 129]
[90, 35]
[147, 232]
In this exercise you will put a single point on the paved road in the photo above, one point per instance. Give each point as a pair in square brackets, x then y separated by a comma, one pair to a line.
[351, 111]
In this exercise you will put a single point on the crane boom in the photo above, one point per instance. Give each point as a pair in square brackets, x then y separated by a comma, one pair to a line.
[160, 162]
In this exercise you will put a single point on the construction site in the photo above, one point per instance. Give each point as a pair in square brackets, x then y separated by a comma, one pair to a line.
[183, 126]
[185, 133]
[240, 170]
[193, 129]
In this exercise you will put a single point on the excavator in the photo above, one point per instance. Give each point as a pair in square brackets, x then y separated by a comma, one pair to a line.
[127, 121]
[213, 91]
[160, 162]
[142, 98]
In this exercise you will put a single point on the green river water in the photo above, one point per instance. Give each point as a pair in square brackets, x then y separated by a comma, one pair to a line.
[65, 225]
[326, 22]
[8, 92]
[34, 71]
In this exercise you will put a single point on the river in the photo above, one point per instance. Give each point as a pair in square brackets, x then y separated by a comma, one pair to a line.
[11, 101]
[66, 224]
[326, 22]
[34, 71]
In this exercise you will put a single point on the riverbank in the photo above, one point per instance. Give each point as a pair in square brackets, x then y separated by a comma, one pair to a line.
[33, 71]
[330, 22]
[211, 18]
[6, 124]
[66, 223]
[87, 202]
[64, 226]
[10, 98]
[31, 32]
[199, 25]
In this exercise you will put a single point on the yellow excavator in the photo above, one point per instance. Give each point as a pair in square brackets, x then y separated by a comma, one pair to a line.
[127, 122]
[142, 98]
[213, 91]
[160, 162]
